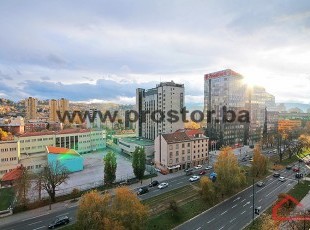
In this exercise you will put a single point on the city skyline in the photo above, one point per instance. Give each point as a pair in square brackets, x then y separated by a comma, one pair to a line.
[103, 52]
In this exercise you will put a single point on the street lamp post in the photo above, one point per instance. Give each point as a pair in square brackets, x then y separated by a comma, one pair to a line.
[253, 202]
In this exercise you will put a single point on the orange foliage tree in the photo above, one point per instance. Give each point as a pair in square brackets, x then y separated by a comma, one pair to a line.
[260, 163]
[123, 211]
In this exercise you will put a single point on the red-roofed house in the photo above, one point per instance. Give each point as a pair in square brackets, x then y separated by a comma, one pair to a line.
[180, 150]
[11, 176]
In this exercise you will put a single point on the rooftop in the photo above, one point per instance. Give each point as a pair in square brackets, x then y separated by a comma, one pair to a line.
[13, 175]
[137, 140]
[176, 137]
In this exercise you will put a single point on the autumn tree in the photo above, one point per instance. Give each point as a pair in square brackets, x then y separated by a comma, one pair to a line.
[128, 209]
[75, 193]
[260, 163]
[124, 211]
[268, 223]
[22, 186]
[229, 174]
[138, 162]
[94, 211]
[208, 192]
[192, 125]
[3, 135]
[110, 166]
[51, 177]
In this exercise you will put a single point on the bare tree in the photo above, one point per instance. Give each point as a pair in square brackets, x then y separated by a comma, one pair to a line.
[53, 175]
[22, 186]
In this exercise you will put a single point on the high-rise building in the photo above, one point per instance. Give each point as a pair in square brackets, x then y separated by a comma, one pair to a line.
[226, 90]
[53, 108]
[153, 103]
[31, 108]
[61, 105]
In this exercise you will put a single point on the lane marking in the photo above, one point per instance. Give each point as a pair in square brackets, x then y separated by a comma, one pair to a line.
[223, 213]
[39, 227]
[234, 206]
[232, 220]
[242, 212]
[36, 216]
[221, 228]
[210, 221]
[63, 214]
[260, 200]
[246, 203]
[237, 199]
[198, 228]
[242, 200]
[35, 223]
[180, 182]
[251, 206]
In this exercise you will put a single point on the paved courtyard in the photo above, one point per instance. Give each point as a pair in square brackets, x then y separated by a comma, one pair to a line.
[92, 175]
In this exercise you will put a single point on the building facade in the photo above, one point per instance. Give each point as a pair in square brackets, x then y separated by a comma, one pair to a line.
[9, 156]
[81, 140]
[226, 91]
[153, 104]
[31, 108]
[60, 105]
[181, 149]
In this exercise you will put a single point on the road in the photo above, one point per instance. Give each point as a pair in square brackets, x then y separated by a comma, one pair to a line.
[236, 212]
[42, 221]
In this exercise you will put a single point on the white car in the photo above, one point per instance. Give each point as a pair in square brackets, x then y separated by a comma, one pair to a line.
[198, 167]
[281, 178]
[209, 167]
[194, 178]
[163, 185]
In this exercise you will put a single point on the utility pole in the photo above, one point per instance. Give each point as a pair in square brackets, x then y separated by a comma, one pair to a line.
[253, 203]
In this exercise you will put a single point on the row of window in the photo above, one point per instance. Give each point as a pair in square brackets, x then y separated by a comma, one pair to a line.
[8, 159]
[7, 150]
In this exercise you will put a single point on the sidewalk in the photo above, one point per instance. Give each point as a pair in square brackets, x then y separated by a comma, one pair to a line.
[68, 204]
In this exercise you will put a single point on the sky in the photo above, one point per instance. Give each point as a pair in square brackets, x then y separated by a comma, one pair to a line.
[101, 51]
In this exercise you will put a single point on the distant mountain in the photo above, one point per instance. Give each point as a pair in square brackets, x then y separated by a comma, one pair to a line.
[301, 106]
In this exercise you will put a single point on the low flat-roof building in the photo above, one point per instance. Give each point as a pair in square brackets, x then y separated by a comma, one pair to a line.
[129, 144]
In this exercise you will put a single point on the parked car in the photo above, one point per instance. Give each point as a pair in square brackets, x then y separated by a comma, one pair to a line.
[299, 175]
[209, 167]
[154, 183]
[288, 167]
[202, 172]
[157, 170]
[276, 174]
[63, 220]
[198, 167]
[188, 170]
[281, 178]
[295, 169]
[260, 184]
[243, 159]
[269, 152]
[194, 178]
[163, 185]
[142, 190]
[189, 173]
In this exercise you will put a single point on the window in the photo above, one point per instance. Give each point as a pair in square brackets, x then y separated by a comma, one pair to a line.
[176, 160]
[170, 147]
[177, 146]
[177, 153]
[183, 145]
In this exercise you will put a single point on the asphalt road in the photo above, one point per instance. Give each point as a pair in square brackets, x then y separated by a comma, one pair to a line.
[236, 212]
[232, 214]
[42, 221]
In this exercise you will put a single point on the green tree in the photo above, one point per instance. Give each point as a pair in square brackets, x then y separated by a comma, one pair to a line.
[229, 174]
[138, 162]
[208, 192]
[110, 166]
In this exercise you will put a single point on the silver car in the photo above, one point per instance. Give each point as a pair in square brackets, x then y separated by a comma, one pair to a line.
[163, 185]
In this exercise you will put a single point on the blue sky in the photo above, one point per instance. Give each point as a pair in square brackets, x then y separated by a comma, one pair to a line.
[104, 50]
